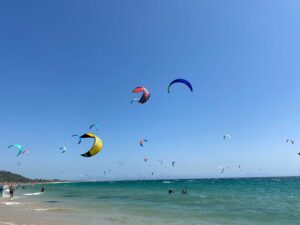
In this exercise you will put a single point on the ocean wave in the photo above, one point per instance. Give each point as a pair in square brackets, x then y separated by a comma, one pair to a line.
[32, 194]
[12, 203]
[53, 209]
[167, 182]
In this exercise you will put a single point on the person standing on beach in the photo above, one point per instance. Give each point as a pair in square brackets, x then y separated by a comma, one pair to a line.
[11, 191]
[1, 190]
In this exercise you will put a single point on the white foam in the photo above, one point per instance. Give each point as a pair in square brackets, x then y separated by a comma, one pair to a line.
[167, 182]
[11, 203]
[41, 209]
[32, 194]
[6, 223]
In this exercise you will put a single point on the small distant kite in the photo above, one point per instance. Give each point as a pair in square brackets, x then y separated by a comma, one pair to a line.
[94, 126]
[226, 136]
[173, 163]
[25, 152]
[183, 81]
[221, 169]
[290, 141]
[97, 146]
[142, 142]
[145, 96]
[63, 149]
[298, 153]
[79, 138]
[19, 148]
[145, 159]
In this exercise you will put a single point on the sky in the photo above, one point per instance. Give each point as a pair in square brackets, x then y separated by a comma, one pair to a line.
[65, 65]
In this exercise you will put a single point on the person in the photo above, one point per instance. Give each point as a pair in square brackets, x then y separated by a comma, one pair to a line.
[11, 191]
[184, 191]
[171, 191]
[1, 190]
[43, 190]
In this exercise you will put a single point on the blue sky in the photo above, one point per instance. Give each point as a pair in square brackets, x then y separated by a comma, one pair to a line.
[68, 64]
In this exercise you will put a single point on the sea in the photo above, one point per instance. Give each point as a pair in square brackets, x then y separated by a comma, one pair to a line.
[240, 201]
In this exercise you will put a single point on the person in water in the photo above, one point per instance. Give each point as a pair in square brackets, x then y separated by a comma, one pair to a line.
[11, 191]
[184, 191]
[43, 190]
[171, 191]
[1, 190]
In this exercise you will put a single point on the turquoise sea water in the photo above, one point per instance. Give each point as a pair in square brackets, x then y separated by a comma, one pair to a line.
[208, 201]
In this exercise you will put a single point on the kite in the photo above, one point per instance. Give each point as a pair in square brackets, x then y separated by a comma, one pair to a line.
[183, 81]
[226, 136]
[97, 146]
[96, 126]
[221, 169]
[19, 147]
[64, 149]
[291, 141]
[145, 159]
[173, 163]
[25, 152]
[142, 142]
[145, 96]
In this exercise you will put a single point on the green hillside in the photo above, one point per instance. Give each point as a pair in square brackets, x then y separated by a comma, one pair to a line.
[6, 176]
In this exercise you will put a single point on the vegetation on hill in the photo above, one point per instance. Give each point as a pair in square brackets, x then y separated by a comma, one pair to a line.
[6, 176]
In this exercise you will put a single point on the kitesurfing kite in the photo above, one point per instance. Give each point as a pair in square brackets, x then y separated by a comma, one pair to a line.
[145, 96]
[145, 159]
[63, 149]
[95, 126]
[221, 169]
[142, 142]
[76, 135]
[25, 152]
[97, 146]
[19, 148]
[173, 163]
[291, 141]
[183, 81]
[226, 136]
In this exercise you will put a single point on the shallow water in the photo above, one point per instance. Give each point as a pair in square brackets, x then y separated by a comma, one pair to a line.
[208, 201]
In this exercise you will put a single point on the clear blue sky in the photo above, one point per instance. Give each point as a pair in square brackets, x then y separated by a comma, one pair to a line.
[68, 64]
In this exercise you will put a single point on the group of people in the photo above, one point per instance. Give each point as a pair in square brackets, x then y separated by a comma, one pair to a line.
[183, 191]
[11, 191]
[12, 188]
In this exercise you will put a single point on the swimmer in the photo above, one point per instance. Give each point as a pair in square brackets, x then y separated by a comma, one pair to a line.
[171, 191]
[184, 191]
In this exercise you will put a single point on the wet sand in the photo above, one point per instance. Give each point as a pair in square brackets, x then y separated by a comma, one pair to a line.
[24, 213]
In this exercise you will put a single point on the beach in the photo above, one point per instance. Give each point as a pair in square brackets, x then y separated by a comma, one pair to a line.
[207, 202]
